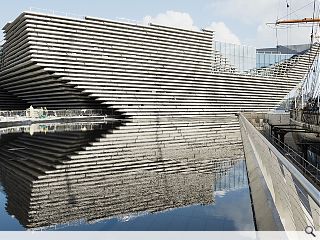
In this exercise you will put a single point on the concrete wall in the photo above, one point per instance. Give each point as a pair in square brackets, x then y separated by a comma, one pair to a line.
[140, 71]
[266, 215]
[278, 188]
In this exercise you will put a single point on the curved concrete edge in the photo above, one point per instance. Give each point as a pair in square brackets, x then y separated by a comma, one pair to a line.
[266, 214]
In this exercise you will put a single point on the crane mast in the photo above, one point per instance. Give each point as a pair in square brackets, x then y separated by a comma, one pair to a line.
[304, 20]
[315, 95]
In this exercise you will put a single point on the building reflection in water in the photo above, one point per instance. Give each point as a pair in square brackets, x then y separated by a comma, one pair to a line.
[115, 170]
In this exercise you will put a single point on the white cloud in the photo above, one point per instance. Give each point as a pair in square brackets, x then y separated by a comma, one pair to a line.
[251, 17]
[185, 21]
[267, 37]
[223, 33]
[248, 11]
[172, 19]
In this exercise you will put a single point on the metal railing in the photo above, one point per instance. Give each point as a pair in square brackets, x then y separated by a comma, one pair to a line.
[57, 13]
[296, 199]
[309, 170]
[10, 114]
[55, 127]
[79, 16]
[75, 112]
[53, 113]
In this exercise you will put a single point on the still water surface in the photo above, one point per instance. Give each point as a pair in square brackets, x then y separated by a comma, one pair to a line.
[169, 175]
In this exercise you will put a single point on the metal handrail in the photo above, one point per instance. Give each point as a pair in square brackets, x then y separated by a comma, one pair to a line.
[295, 156]
[292, 156]
[54, 113]
[57, 13]
[305, 183]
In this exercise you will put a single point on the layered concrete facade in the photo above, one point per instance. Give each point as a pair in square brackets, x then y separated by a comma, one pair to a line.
[119, 170]
[138, 71]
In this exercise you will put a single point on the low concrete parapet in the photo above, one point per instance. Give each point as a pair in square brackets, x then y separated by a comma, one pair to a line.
[279, 191]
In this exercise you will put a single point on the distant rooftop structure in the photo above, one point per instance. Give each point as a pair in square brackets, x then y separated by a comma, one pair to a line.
[270, 56]
[286, 49]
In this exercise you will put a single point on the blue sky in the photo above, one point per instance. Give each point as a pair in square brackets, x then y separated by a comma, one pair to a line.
[238, 21]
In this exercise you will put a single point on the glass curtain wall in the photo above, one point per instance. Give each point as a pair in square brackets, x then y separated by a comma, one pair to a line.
[242, 57]
[266, 59]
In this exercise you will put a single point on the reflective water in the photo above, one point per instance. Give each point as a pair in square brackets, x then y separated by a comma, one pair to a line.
[155, 175]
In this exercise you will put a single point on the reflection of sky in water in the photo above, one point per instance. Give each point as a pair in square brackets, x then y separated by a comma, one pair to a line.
[168, 176]
[7, 222]
[231, 211]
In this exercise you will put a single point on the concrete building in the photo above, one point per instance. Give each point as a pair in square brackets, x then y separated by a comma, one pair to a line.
[137, 71]
[115, 171]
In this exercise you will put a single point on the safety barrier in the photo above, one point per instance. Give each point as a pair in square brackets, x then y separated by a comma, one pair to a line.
[43, 113]
[295, 198]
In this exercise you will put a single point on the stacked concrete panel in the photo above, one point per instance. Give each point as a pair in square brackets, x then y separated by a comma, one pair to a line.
[7, 100]
[11, 102]
[139, 167]
[140, 71]
[29, 82]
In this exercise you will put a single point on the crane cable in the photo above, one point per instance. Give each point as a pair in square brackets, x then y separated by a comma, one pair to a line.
[287, 77]
[313, 15]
